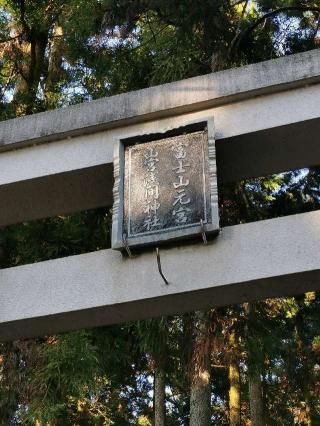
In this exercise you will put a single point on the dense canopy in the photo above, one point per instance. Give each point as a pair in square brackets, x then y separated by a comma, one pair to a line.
[251, 364]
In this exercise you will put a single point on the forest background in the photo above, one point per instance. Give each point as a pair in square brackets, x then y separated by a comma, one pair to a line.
[250, 364]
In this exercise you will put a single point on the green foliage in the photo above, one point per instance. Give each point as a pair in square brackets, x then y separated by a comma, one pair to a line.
[69, 366]
[94, 48]
[57, 237]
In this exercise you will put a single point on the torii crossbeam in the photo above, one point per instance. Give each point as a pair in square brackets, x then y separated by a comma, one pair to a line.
[267, 120]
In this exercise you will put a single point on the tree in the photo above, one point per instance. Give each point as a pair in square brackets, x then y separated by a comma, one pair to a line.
[200, 392]
[234, 379]
[154, 340]
[55, 53]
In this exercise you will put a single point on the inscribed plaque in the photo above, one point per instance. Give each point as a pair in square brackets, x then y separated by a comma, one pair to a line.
[165, 188]
[165, 185]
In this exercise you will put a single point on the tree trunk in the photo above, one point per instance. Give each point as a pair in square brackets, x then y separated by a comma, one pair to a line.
[234, 380]
[254, 376]
[256, 399]
[307, 379]
[200, 395]
[308, 413]
[159, 397]
[32, 55]
[55, 70]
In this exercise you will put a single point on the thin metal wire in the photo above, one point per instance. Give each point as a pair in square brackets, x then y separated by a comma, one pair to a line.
[203, 232]
[160, 267]
[126, 245]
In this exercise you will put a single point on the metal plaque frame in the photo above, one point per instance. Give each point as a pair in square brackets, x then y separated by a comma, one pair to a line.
[120, 238]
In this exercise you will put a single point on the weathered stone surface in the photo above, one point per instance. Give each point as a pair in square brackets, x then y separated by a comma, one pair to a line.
[167, 185]
[254, 137]
[246, 262]
[162, 101]
[270, 258]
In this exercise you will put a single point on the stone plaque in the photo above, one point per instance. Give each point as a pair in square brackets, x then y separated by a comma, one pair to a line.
[165, 185]
[165, 188]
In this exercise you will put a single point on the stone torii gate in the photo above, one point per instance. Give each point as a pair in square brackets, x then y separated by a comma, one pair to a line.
[267, 120]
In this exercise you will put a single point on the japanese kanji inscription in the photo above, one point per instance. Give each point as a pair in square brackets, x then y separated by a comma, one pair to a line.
[168, 187]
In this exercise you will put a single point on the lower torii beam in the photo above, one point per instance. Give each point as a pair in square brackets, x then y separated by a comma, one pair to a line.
[271, 258]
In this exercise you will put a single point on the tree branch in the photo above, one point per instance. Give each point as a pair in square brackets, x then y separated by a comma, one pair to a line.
[317, 28]
[238, 26]
[6, 40]
[271, 14]
[5, 87]
[24, 24]
[150, 39]
[237, 2]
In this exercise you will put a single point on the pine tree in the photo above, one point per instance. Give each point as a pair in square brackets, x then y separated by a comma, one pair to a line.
[56, 53]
